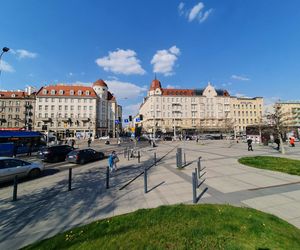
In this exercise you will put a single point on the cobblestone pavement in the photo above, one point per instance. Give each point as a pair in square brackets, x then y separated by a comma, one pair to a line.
[45, 207]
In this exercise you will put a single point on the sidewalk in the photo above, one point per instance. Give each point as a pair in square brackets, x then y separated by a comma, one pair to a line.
[46, 207]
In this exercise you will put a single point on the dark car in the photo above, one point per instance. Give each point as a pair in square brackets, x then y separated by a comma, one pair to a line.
[82, 156]
[54, 153]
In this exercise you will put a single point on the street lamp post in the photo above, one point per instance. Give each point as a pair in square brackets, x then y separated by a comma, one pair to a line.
[4, 50]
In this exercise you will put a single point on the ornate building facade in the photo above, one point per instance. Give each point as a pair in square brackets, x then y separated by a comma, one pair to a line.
[206, 110]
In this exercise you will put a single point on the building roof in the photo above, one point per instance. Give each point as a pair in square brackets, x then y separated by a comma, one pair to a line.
[100, 83]
[67, 90]
[14, 94]
[155, 84]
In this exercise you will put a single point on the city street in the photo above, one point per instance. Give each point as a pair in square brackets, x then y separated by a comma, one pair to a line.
[45, 207]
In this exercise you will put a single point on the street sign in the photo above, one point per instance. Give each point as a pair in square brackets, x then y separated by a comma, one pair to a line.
[137, 119]
[126, 120]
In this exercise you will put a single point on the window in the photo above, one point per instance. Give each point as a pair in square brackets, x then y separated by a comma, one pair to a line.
[87, 92]
[79, 108]
[61, 92]
[66, 108]
[59, 107]
[46, 99]
[52, 115]
[40, 107]
[72, 100]
[72, 108]
[52, 92]
[17, 109]
[40, 115]
[46, 107]
[91, 108]
[85, 100]
[45, 91]
[52, 107]
[38, 124]
[71, 92]
[16, 124]
[52, 99]
[17, 103]
[46, 115]
[79, 92]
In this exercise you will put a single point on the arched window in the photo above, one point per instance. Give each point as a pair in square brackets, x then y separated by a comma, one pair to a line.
[71, 92]
[61, 92]
[79, 92]
[87, 92]
[52, 92]
[45, 91]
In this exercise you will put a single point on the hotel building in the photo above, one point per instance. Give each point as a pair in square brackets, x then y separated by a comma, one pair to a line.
[206, 110]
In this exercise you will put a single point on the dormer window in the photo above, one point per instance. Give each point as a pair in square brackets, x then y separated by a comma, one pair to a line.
[79, 92]
[61, 92]
[45, 91]
[52, 92]
[13, 95]
[71, 92]
[87, 92]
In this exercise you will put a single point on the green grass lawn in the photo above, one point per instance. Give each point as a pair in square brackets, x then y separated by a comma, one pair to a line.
[181, 227]
[273, 163]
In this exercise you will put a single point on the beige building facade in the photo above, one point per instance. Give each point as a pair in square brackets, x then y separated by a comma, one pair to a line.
[76, 110]
[17, 110]
[206, 110]
[289, 112]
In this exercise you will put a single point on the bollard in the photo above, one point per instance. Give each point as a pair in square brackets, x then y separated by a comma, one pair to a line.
[194, 187]
[199, 166]
[139, 157]
[70, 179]
[196, 171]
[15, 190]
[145, 180]
[155, 158]
[128, 153]
[184, 159]
[179, 157]
[107, 177]
[125, 151]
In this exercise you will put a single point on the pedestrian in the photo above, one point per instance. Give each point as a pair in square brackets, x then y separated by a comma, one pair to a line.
[292, 141]
[72, 143]
[119, 142]
[29, 149]
[249, 142]
[277, 141]
[15, 150]
[89, 142]
[112, 161]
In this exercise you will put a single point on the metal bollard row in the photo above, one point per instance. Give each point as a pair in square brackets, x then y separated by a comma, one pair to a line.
[197, 182]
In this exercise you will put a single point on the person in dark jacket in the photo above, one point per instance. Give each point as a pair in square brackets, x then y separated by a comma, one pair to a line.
[277, 141]
[249, 142]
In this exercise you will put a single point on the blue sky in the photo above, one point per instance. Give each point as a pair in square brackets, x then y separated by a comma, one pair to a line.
[249, 47]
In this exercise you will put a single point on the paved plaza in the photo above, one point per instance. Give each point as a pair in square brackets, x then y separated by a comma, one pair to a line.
[45, 206]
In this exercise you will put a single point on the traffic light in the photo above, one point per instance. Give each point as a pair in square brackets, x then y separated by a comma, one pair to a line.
[130, 118]
[141, 117]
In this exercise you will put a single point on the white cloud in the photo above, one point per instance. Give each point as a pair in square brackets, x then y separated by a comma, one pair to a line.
[6, 67]
[240, 78]
[23, 53]
[180, 8]
[125, 90]
[70, 74]
[195, 11]
[121, 62]
[205, 15]
[163, 61]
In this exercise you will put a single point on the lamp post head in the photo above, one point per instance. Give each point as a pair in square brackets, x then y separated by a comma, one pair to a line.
[5, 49]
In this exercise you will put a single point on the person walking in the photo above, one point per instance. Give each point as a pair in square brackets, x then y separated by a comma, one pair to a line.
[112, 161]
[249, 142]
[277, 141]
[292, 141]
[72, 143]
[29, 149]
[89, 142]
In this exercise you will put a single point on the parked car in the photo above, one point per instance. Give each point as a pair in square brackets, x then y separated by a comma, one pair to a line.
[82, 156]
[10, 167]
[168, 138]
[54, 153]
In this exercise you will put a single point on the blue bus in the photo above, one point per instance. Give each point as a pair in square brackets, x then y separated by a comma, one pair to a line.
[19, 142]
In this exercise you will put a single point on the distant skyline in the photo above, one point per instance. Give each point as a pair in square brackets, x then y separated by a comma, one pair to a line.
[251, 48]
